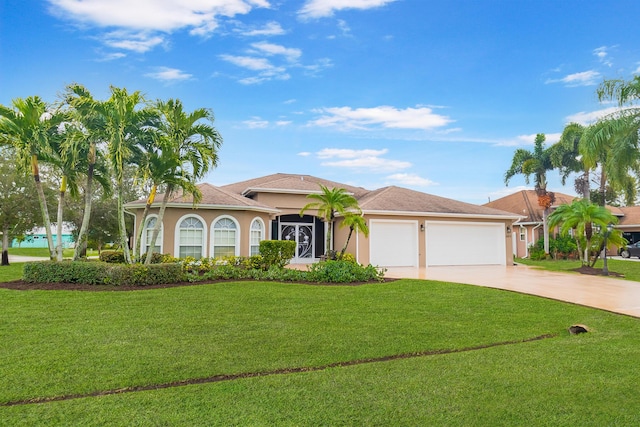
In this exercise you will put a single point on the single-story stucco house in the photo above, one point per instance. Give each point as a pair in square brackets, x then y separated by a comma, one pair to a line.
[407, 228]
[529, 228]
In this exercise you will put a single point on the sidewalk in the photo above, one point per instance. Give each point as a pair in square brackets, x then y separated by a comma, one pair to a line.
[617, 295]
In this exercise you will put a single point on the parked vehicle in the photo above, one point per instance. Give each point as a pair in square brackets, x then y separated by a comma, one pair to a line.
[630, 250]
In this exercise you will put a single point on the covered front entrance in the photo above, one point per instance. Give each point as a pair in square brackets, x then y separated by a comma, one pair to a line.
[308, 233]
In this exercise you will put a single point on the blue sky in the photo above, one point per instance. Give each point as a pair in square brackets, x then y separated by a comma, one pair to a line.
[429, 95]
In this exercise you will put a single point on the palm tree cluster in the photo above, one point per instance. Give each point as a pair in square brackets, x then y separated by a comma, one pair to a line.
[607, 149]
[85, 141]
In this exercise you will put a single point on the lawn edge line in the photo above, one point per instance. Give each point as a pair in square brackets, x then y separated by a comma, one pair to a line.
[282, 371]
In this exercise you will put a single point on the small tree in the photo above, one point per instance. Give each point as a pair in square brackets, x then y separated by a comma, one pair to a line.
[581, 216]
[328, 203]
[356, 223]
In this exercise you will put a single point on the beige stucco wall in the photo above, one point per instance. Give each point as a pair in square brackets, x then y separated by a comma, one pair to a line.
[172, 217]
[360, 245]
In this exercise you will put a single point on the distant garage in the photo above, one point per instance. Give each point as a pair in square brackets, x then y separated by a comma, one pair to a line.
[465, 243]
[393, 243]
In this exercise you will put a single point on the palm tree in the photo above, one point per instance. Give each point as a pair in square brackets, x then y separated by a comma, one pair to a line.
[125, 122]
[581, 216]
[355, 222]
[82, 145]
[29, 126]
[535, 163]
[565, 155]
[612, 145]
[189, 148]
[330, 202]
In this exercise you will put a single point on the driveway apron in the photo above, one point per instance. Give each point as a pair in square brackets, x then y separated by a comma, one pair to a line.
[617, 295]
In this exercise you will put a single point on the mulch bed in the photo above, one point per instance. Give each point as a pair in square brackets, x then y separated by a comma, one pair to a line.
[585, 269]
[21, 285]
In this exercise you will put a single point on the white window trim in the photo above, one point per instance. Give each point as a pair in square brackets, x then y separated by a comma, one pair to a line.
[237, 243]
[176, 234]
[143, 243]
[522, 234]
[264, 230]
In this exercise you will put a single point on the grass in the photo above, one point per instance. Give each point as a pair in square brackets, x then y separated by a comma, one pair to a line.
[630, 269]
[64, 343]
[44, 252]
[11, 272]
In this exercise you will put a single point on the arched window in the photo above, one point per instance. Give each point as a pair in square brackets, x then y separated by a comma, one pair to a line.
[191, 238]
[148, 233]
[257, 234]
[225, 238]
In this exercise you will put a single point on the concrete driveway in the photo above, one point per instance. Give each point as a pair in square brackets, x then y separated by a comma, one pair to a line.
[19, 258]
[617, 295]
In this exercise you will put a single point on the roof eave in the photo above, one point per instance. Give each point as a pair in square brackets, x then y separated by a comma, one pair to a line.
[441, 214]
[206, 206]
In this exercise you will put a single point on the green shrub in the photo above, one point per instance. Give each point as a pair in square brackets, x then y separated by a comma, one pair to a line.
[341, 271]
[114, 257]
[99, 273]
[158, 258]
[348, 257]
[277, 252]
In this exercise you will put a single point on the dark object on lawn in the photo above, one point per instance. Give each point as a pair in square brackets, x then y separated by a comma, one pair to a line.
[577, 329]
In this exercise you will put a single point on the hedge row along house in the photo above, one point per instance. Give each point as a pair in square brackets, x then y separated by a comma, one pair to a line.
[407, 228]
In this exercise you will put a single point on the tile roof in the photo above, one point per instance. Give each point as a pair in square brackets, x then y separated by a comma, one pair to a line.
[211, 196]
[631, 216]
[398, 199]
[282, 182]
[525, 203]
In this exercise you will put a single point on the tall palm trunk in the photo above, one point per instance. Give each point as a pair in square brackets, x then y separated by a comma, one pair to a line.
[88, 199]
[5, 246]
[122, 226]
[344, 248]
[156, 228]
[43, 205]
[63, 190]
[137, 253]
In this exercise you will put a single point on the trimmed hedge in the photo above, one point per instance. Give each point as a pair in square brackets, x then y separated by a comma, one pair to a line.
[99, 273]
[277, 252]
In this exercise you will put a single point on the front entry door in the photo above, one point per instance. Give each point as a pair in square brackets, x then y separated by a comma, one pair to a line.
[302, 234]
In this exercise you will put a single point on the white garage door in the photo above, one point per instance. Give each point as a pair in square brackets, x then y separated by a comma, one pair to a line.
[393, 243]
[465, 243]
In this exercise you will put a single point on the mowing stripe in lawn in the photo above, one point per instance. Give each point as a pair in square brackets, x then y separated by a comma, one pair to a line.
[283, 371]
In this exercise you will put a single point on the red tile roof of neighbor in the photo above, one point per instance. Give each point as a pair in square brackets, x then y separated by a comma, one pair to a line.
[525, 203]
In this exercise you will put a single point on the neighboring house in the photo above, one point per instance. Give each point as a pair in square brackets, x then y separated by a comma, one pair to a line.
[37, 238]
[407, 228]
[528, 229]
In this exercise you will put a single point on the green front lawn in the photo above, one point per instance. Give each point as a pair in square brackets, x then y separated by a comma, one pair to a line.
[44, 252]
[60, 343]
[630, 269]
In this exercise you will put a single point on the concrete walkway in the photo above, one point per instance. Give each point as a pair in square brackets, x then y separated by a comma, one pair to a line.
[20, 258]
[617, 295]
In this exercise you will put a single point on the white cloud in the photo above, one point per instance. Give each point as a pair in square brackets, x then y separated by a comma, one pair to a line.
[304, 154]
[150, 17]
[167, 74]
[283, 122]
[324, 8]
[383, 116]
[256, 123]
[249, 62]
[584, 78]
[410, 179]
[602, 53]
[520, 140]
[269, 29]
[367, 159]
[111, 56]
[587, 118]
[135, 41]
[269, 49]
